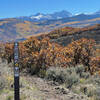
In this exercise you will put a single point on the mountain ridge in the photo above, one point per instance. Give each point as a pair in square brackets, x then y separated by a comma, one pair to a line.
[18, 29]
[42, 16]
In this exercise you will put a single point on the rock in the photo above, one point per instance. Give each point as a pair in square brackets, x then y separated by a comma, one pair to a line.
[62, 90]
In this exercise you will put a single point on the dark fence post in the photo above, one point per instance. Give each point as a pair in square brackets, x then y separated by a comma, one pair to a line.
[16, 72]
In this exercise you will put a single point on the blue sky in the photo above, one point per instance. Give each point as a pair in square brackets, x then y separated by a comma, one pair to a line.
[13, 8]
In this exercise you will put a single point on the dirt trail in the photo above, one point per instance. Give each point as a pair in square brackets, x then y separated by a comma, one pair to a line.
[34, 88]
[48, 91]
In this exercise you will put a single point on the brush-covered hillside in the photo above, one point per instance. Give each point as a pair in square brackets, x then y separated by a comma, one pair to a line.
[66, 60]
[71, 45]
[65, 35]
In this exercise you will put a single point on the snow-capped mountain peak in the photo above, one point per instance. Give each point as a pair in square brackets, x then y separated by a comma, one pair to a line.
[56, 15]
[37, 17]
[43, 17]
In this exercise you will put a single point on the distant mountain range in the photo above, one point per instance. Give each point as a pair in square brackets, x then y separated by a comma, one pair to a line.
[21, 27]
[42, 17]
[56, 16]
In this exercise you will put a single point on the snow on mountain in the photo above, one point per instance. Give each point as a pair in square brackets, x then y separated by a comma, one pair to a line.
[37, 17]
[40, 16]
[56, 15]
[59, 15]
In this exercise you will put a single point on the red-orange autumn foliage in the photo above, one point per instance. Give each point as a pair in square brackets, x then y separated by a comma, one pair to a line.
[80, 51]
[36, 54]
[95, 63]
[9, 51]
[2, 49]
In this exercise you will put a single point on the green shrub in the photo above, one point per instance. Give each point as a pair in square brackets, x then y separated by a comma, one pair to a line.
[88, 89]
[97, 93]
[56, 74]
[90, 92]
[70, 70]
[2, 83]
[34, 69]
[63, 75]
[42, 73]
[85, 75]
[79, 69]
[9, 98]
[72, 80]
[96, 79]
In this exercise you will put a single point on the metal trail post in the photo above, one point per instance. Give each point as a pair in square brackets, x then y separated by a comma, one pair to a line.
[16, 72]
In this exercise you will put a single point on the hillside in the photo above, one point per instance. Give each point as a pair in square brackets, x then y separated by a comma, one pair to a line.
[32, 87]
[11, 29]
[65, 35]
[49, 71]
[52, 72]
[20, 28]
